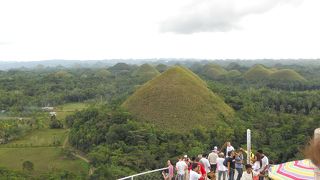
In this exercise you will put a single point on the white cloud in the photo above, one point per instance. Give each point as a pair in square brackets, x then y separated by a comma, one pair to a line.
[103, 29]
[217, 15]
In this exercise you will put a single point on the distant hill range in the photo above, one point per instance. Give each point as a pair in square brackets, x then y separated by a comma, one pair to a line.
[177, 100]
[5, 65]
[259, 72]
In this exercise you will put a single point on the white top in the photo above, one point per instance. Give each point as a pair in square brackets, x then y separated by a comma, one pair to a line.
[194, 175]
[220, 165]
[181, 167]
[246, 176]
[229, 148]
[265, 162]
[213, 158]
[206, 164]
[256, 166]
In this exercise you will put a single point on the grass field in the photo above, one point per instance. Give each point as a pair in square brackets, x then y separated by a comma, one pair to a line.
[45, 159]
[67, 109]
[43, 148]
[41, 137]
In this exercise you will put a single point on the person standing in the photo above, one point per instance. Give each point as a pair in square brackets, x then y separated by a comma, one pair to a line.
[222, 170]
[181, 168]
[205, 163]
[201, 169]
[213, 156]
[249, 174]
[264, 164]
[194, 172]
[239, 164]
[229, 148]
[170, 174]
[231, 164]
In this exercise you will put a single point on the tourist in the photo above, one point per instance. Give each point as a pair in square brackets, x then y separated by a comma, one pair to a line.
[194, 172]
[238, 164]
[187, 161]
[205, 163]
[249, 174]
[257, 164]
[202, 169]
[181, 168]
[170, 174]
[229, 148]
[231, 164]
[213, 159]
[222, 170]
[264, 164]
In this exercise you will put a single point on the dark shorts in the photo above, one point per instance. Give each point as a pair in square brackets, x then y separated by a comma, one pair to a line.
[213, 167]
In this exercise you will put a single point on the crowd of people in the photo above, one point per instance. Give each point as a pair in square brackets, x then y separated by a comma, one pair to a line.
[221, 164]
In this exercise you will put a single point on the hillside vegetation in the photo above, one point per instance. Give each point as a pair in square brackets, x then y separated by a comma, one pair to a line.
[259, 72]
[145, 72]
[213, 71]
[287, 75]
[177, 99]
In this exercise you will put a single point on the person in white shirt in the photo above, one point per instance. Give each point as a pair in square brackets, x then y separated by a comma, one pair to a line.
[229, 148]
[205, 163]
[194, 175]
[249, 174]
[213, 159]
[222, 170]
[264, 164]
[181, 168]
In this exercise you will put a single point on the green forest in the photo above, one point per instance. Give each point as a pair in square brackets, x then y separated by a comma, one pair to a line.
[114, 121]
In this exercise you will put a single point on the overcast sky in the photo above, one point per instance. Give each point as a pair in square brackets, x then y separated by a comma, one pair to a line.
[105, 29]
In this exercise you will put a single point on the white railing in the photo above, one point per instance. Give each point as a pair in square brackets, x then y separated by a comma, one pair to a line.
[141, 174]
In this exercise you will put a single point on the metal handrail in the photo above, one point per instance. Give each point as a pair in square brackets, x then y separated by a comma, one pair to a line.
[143, 173]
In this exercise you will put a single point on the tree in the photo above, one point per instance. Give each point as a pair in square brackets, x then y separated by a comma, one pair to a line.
[27, 166]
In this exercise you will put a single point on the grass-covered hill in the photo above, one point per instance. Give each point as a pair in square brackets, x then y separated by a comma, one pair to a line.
[177, 99]
[257, 72]
[234, 73]
[161, 67]
[145, 72]
[286, 75]
[213, 71]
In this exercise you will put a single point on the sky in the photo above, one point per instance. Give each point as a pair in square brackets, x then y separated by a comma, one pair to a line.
[140, 29]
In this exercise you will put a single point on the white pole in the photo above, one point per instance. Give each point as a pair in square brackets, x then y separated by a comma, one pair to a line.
[316, 139]
[248, 146]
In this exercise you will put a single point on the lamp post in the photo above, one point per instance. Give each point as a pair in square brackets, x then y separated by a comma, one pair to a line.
[248, 146]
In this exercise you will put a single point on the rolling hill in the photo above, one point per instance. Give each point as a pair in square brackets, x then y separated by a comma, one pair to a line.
[257, 72]
[145, 72]
[233, 73]
[286, 75]
[177, 99]
[213, 71]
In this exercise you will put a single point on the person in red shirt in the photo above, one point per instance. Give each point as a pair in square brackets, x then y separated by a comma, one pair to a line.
[202, 169]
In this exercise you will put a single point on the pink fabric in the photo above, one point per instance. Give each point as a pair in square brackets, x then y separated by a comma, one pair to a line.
[171, 171]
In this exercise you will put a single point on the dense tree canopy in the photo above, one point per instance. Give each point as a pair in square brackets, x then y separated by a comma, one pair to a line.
[281, 113]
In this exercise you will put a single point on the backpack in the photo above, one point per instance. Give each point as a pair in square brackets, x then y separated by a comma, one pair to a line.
[225, 162]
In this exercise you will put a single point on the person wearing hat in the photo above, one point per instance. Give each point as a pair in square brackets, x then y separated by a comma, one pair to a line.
[213, 159]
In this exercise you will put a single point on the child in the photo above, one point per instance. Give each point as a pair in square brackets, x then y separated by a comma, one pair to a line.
[249, 174]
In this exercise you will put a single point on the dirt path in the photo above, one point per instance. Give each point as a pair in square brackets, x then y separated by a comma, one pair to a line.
[78, 155]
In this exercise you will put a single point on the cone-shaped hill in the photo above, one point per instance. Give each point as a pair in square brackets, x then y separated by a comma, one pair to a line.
[177, 99]
[234, 73]
[214, 71]
[286, 75]
[145, 72]
[257, 72]
[161, 67]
